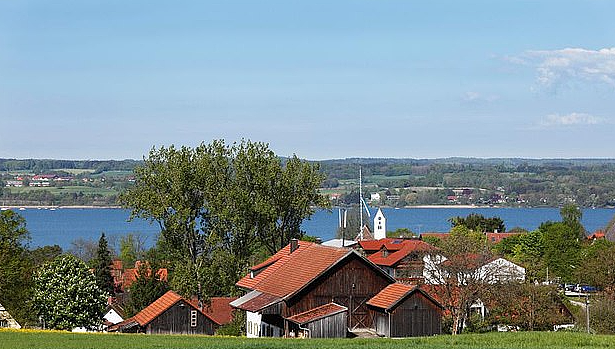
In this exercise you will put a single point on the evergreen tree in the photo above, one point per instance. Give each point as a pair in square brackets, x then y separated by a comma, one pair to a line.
[145, 290]
[102, 266]
[15, 266]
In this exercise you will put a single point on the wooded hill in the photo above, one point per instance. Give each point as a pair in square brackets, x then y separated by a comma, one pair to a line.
[495, 181]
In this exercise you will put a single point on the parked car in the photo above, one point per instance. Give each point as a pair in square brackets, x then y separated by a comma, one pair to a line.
[585, 288]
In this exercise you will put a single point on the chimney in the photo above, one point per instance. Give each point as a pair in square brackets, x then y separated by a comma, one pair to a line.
[294, 245]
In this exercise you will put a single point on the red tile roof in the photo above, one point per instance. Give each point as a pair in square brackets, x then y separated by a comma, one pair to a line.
[317, 313]
[291, 272]
[282, 256]
[435, 235]
[599, 234]
[129, 276]
[218, 309]
[300, 269]
[158, 307]
[391, 244]
[407, 247]
[390, 295]
[256, 301]
[497, 237]
[492, 237]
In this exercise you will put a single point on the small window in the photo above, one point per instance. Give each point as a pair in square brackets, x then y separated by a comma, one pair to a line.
[193, 318]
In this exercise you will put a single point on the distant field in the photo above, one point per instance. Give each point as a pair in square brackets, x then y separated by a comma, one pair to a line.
[113, 174]
[73, 171]
[527, 340]
[68, 189]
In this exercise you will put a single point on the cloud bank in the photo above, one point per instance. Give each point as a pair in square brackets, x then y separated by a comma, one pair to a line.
[570, 65]
[571, 119]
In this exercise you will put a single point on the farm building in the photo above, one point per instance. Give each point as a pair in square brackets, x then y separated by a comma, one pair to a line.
[173, 314]
[294, 284]
[6, 320]
[406, 311]
[311, 290]
[403, 259]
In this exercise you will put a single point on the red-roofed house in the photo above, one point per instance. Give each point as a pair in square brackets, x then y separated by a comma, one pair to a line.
[173, 314]
[597, 235]
[403, 259]
[123, 278]
[406, 311]
[301, 288]
[493, 238]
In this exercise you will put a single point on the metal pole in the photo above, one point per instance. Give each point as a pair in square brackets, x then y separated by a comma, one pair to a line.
[587, 310]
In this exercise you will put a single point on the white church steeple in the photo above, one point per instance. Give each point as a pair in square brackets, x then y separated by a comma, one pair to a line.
[380, 225]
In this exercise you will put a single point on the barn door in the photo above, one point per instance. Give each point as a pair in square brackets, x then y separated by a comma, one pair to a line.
[359, 315]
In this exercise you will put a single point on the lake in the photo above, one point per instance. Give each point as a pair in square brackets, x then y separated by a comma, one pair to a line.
[62, 226]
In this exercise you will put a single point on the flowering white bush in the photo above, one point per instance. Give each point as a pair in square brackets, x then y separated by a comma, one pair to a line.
[66, 295]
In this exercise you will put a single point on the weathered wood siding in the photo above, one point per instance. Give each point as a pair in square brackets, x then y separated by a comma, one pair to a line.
[176, 320]
[351, 284]
[381, 323]
[329, 327]
[414, 316]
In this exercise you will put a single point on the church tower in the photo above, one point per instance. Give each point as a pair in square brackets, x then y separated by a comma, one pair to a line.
[380, 225]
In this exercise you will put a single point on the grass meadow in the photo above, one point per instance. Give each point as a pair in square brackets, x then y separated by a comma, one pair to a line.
[545, 340]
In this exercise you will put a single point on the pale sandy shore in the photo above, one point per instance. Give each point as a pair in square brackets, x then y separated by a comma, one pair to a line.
[453, 206]
[46, 207]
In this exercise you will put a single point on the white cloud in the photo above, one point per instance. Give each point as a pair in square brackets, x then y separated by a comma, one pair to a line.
[561, 67]
[571, 120]
[472, 96]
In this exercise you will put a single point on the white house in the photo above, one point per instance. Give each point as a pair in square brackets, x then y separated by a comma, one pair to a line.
[493, 271]
[375, 197]
[6, 320]
[380, 225]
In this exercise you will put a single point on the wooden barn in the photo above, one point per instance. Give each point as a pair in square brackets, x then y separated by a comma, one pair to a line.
[406, 311]
[173, 314]
[310, 289]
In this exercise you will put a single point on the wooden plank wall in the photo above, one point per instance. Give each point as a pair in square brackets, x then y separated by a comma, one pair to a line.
[416, 316]
[176, 320]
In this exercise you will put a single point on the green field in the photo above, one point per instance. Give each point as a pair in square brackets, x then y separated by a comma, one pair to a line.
[73, 171]
[551, 340]
[66, 190]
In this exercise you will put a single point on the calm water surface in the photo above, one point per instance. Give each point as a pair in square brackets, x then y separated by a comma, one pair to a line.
[64, 225]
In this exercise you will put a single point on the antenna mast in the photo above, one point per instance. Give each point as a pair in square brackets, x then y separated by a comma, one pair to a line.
[360, 204]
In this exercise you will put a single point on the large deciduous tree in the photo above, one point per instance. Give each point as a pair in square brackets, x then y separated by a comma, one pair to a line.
[15, 266]
[571, 216]
[66, 295]
[220, 199]
[479, 223]
[455, 270]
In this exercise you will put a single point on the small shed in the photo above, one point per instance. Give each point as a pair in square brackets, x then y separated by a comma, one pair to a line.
[402, 310]
[326, 321]
[172, 314]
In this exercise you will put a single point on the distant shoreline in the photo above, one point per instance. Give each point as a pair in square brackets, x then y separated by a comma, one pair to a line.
[48, 207]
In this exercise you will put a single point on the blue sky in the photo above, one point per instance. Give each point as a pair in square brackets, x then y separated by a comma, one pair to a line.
[321, 79]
